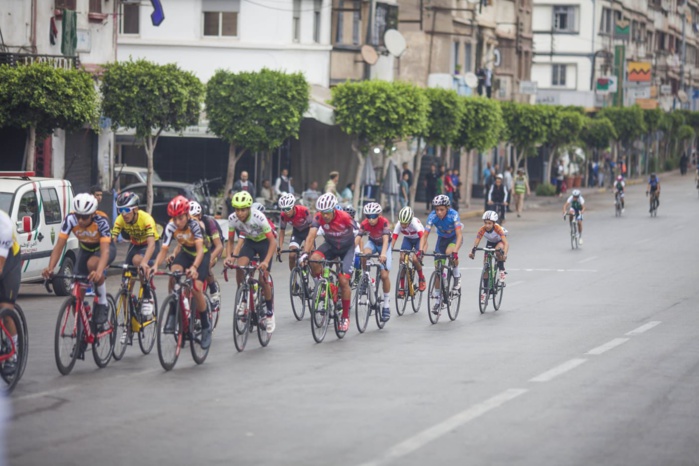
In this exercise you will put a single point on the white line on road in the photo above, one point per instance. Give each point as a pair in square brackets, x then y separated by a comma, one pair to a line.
[558, 370]
[433, 433]
[510, 285]
[31, 396]
[607, 346]
[643, 328]
[643, 241]
[587, 260]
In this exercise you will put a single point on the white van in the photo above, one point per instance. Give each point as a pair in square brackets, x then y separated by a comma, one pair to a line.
[38, 206]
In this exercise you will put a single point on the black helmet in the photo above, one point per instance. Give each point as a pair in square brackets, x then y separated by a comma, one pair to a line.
[127, 199]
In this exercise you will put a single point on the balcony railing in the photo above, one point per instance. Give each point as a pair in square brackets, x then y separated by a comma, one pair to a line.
[57, 61]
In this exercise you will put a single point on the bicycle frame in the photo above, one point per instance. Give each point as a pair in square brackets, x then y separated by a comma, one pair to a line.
[409, 267]
[8, 337]
[366, 267]
[248, 285]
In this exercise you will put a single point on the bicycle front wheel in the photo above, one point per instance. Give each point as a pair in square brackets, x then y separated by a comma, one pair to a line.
[320, 314]
[12, 353]
[169, 339]
[68, 336]
[484, 289]
[434, 300]
[416, 297]
[241, 318]
[262, 334]
[362, 304]
[454, 297]
[147, 334]
[497, 293]
[103, 346]
[123, 324]
[297, 293]
[402, 291]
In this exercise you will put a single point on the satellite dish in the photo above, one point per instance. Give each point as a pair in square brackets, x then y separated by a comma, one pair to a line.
[496, 57]
[369, 54]
[395, 42]
[471, 79]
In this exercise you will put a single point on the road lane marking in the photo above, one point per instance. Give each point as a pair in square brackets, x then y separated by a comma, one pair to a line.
[607, 346]
[433, 433]
[587, 260]
[32, 396]
[643, 328]
[558, 370]
[643, 241]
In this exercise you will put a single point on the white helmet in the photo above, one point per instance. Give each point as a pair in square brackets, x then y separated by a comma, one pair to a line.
[372, 208]
[441, 199]
[576, 192]
[84, 204]
[327, 201]
[194, 208]
[490, 215]
[286, 201]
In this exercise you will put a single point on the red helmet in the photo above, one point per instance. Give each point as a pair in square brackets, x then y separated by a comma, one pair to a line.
[178, 205]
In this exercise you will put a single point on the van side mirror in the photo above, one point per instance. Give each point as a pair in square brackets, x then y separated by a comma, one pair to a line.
[27, 224]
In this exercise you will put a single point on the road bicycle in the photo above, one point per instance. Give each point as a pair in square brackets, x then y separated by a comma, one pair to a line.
[128, 314]
[407, 275]
[187, 325]
[214, 306]
[368, 298]
[574, 236]
[446, 296]
[490, 284]
[617, 204]
[250, 311]
[300, 290]
[325, 305]
[74, 331]
[14, 350]
[654, 202]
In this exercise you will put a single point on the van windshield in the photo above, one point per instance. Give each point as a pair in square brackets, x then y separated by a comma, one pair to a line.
[5, 200]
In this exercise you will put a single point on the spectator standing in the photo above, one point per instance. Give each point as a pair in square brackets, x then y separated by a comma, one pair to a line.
[683, 164]
[430, 182]
[457, 191]
[521, 186]
[488, 175]
[243, 185]
[449, 186]
[311, 194]
[266, 193]
[347, 194]
[331, 184]
[440, 181]
[407, 171]
[404, 191]
[283, 184]
[559, 177]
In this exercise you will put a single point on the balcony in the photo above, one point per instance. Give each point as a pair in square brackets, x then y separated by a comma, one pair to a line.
[56, 61]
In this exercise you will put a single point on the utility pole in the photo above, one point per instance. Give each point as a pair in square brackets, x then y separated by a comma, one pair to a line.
[613, 51]
[683, 52]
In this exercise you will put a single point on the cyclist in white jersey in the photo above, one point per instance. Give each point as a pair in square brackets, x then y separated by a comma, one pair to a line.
[412, 229]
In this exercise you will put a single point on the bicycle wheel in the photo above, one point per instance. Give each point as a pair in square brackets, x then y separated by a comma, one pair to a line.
[454, 300]
[241, 322]
[147, 334]
[23, 320]
[483, 289]
[199, 354]
[401, 303]
[320, 314]
[105, 338]
[123, 324]
[68, 337]
[297, 293]
[497, 292]
[416, 298]
[433, 302]
[169, 343]
[13, 353]
[262, 334]
[362, 304]
[215, 309]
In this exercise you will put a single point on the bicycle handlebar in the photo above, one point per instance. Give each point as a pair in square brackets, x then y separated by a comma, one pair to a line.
[486, 249]
[49, 285]
[178, 277]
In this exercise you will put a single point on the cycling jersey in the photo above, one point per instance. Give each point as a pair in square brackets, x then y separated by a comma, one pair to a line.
[8, 244]
[654, 182]
[340, 231]
[142, 228]
[447, 226]
[302, 219]
[578, 204]
[186, 237]
[375, 232]
[413, 230]
[90, 236]
[241, 234]
[620, 185]
[11, 274]
[493, 236]
[255, 228]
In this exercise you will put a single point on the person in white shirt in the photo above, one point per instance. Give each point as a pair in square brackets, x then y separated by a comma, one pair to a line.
[283, 184]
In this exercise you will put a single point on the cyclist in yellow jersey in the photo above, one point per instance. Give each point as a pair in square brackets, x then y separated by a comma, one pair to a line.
[145, 241]
[10, 276]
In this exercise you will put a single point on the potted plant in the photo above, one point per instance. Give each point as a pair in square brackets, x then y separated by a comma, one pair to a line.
[457, 69]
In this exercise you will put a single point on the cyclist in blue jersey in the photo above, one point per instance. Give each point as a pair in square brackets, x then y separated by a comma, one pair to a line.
[654, 187]
[449, 235]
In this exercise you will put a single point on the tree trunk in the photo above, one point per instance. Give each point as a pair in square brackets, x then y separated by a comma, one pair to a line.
[230, 174]
[358, 188]
[519, 155]
[552, 154]
[416, 173]
[150, 142]
[30, 149]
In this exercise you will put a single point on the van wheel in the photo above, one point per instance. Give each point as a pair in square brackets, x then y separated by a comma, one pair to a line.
[61, 286]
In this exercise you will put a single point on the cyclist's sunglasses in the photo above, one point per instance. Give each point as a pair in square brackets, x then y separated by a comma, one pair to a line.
[125, 210]
[327, 211]
[287, 209]
[371, 216]
[84, 217]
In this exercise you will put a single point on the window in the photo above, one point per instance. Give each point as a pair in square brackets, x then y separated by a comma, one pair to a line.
[52, 206]
[317, 7]
[220, 18]
[386, 18]
[29, 207]
[468, 53]
[296, 21]
[558, 77]
[564, 19]
[606, 21]
[129, 20]
[348, 22]
[661, 40]
[457, 65]
[649, 40]
[65, 5]
[95, 6]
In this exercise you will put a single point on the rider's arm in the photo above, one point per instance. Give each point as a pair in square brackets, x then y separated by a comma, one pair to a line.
[149, 250]
[310, 239]
[199, 245]
[505, 243]
[384, 246]
[160, 257]
[272, 249]
[565, 208]
[218, 249]
[116, 229]
[104, 257]
[282, 232]
[459, 238]
[423, 240]
[56, 253]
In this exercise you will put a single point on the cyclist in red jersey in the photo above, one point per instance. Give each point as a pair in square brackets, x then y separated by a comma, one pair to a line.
[300, 219]
[375, 226]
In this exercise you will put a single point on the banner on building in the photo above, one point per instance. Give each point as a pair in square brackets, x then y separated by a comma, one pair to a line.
[638, 71]
[606, 84]
[622, 29]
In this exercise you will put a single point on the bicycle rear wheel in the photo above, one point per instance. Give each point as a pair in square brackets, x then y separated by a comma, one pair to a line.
[103, 346]
[68, 337]
[170, 342]
[147, 334]
[13, 352]
[262, 334]
[123, 324]
[362, 304]
[483, 289]
[434, 303]
[416, 298]
[215, 308]
[241, 322]
[401, 303]
[454, 301]
[297, 293]
[320, 314]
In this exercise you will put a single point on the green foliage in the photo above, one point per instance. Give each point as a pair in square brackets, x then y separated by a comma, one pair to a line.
[574, 108]
[378, 111]
[652, 117]
[692, 119]
[481, 124]
[670, 122]
[597, 133]
[46, 98]
[628, 121]
[685, 132]
[653, 164]
[256, 110]
[545, 189]
[670, 163]
[528, 125]
[444, 116]
[150, 97]
[567, 131]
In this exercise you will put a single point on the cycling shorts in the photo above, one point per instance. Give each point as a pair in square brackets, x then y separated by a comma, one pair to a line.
[10, 278]
[84, 255]
[346, 256]
[410, 243]
[298, 237]
[186, 260]
[376, 249]
[252, 249]
[140, 250]
[443, 242]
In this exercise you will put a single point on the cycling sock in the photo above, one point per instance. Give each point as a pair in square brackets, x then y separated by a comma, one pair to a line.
[345, 308]
[386, 300]
[268, 304]
[102, 293]
[213, 288]
[204, 317]
[456, 272]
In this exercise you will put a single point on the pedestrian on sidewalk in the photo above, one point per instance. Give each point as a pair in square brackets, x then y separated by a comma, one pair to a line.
[488, 176]
[521, 183]
[559, 177]
[430, 183]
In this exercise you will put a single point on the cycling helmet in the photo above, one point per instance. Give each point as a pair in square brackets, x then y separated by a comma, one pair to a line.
[652, 175]
[194, 208]
[84, 204]
[241, 200]
[178, 205]
[258, 206]
[372, 208]
[441, 199]
[619, 178]
[499, 176]
[127, 199]
[405, 215]
[286, 201]
[576, 193]
[350, 210]
[327, 201]
[490, 215]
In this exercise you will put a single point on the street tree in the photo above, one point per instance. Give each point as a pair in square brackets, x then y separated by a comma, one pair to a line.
[40, 99]
[629, 125]
[565, 133]
[527, 127]
[651, 118]
[150, 98]
[597, 133]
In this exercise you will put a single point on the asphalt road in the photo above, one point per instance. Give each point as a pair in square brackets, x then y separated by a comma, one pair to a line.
[592, 359]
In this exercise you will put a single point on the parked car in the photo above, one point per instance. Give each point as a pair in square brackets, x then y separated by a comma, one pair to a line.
[37, 207]
[163, 192]
[126, 175]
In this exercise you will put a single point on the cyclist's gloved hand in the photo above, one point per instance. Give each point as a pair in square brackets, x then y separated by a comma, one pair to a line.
[455, 256]
[303, 258]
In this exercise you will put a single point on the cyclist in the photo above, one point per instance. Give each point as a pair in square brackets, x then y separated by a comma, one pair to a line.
[212, 239]
[10, 276]
[375, 226]
[255, 238]
[300, 219]
[496, 237]
[412, 230]
[576, 203]
[193, 259]
[145, 240]
[498, 197]
[654, 187]
[619, 189]
[339, 229]
[449, 238]
[96, 249]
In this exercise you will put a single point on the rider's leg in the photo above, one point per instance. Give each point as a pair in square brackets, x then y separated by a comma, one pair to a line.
[345, 291]
[455, 270]
[401, 281]
[292, 256]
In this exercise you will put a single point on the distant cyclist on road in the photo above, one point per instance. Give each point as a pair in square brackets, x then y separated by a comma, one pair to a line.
[575, 206]
[654, 187]
[619, 189]
[496, 237]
